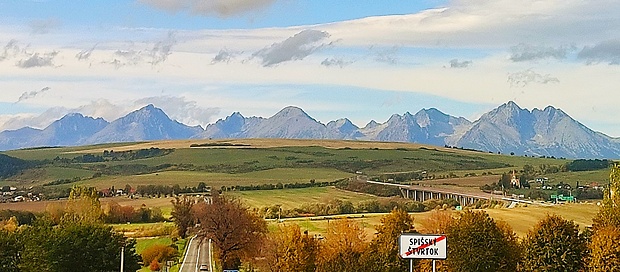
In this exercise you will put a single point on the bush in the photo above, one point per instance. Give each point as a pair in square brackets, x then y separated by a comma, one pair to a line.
[158, 253]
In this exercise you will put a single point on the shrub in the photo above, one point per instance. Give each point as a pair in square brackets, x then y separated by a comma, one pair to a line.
[158, 253]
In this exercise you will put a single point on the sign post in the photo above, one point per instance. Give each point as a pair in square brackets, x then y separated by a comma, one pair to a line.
[421, 246]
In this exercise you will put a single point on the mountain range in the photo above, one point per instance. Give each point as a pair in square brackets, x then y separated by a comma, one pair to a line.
[505, 129]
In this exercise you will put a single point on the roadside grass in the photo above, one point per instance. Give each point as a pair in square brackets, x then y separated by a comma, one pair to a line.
[144, 243]
[294, 198]
[146, 230]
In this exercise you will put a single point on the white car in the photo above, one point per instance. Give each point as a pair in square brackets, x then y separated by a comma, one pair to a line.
[204, 267]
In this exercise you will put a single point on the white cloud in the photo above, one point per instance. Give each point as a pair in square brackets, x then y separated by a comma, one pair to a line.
[224, 56]
[385, 55]
[526, 52]
[329, 62]
[32, 94]
[455, 63]
[182, 110]
[38, 60]
[219, 8]
[85, 54]
[524, 78]
[43, 26]
[296, 47]
[478, 31]
[11, 49]
[607, 51]
[487, 23]
[40, 121]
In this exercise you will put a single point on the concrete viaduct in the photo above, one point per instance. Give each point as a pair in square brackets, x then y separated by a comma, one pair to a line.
[423, 193]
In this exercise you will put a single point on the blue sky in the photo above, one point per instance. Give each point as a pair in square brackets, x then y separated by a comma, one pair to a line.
[201, 60]
[140, 14]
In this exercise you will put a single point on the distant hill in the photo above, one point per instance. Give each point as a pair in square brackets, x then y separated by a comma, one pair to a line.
[505, 129]
[10, 166]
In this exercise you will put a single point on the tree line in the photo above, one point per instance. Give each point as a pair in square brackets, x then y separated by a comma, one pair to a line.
[476, 242]
[66, 238]
[337, 207]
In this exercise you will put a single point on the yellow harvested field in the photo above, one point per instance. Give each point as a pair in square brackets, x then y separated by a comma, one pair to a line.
[39, 206]
[265, 143]
[521, 219]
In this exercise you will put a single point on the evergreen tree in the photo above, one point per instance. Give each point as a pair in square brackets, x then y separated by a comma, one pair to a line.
[476, 243]
[554, 244]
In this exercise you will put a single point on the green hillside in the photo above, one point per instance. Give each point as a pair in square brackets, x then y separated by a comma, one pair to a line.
[263, 161]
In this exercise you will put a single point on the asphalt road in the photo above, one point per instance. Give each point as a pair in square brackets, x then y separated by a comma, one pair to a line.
[196, 255]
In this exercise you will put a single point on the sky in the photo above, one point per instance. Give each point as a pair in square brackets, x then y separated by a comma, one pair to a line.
[202, 60]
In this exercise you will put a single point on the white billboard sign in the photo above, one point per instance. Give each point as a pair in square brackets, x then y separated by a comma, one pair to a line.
[422, 246]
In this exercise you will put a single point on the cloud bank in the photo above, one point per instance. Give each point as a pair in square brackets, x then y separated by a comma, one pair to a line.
[607, 51]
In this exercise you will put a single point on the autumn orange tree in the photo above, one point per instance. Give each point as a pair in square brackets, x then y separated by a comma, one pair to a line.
[382, 253]
[236, 232]
[344, 244]
[436, 223]
[158, 252]
[609, 213]
[288, 250]
[604, 248]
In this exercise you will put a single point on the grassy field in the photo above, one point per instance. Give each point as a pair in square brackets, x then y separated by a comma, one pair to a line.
[217, 180]
[39, 206]
[293, 198]
[521, 219]
[269, 160]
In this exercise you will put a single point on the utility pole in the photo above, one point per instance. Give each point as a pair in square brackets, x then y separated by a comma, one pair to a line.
[122, 258]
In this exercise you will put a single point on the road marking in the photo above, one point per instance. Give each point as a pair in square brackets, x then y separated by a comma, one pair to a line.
[198, 255]
[189, 245]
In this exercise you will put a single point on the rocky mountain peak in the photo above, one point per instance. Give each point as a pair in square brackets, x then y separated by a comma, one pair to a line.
[291, 111]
